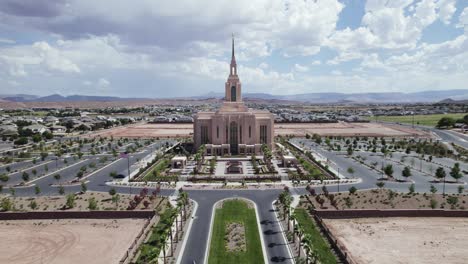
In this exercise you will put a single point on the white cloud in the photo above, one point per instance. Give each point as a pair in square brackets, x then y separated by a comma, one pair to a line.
[446, 10]
[102, 83]
[300, 68]
[7, 41]
[463, 19]
[316, 62]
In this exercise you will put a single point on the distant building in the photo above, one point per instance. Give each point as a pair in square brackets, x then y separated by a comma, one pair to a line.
[37, 128]
[234, 128]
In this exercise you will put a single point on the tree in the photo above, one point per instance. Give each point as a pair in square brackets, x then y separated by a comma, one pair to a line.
[352, 190]
[116, 199]
[388, 170]
[70, 203]
[411, 188]
[44, 155]
[351, 171]
[350, 151]
[461, 188]
[455, 172]
[433, 189]
[57, 177]
[440, 173]
[36, 138]
[84, 188]
[25, 176]
[452, 200]
[61, 190]
[33, 204]
[37, 190]
[21, 141]
[112, 191]
[445, 122]
[406, 172]
[380, 184]
[6, 204]
[183, 199]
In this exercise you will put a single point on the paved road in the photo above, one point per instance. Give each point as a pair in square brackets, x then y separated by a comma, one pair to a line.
[197, 241]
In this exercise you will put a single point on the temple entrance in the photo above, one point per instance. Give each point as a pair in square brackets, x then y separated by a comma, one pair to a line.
[234, 144]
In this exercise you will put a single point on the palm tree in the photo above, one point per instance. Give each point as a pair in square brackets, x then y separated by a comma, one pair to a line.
[307, 240]
[183, 197]
[293, 219]
[300, 233]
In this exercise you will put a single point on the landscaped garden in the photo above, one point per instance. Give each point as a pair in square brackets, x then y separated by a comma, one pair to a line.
[315, 243]
[235, 236]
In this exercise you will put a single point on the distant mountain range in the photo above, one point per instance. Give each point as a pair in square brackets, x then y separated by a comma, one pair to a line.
[389, 97]
[384, 97]
[61, 98]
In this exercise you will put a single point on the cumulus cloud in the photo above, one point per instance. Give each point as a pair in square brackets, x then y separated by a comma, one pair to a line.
[162, 43]
[102, 83]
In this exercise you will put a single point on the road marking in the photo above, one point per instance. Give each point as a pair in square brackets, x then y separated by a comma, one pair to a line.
[42, 164]
[55, 172]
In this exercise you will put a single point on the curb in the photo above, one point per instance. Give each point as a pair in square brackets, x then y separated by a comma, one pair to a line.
[187, 233]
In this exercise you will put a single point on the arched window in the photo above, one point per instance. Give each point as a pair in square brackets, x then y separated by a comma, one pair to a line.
[233, 94]
[233, 140]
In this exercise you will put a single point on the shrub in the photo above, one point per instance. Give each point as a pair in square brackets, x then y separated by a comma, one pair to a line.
[92, 204]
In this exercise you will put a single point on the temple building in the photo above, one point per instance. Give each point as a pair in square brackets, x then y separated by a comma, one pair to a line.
[234, 129]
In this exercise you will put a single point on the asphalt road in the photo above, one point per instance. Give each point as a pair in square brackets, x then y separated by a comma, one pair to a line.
[198, 239]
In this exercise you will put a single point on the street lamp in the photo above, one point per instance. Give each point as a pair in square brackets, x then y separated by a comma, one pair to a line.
[444, 186]
[338, 179]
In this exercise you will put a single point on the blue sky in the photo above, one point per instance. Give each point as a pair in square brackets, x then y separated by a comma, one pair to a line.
[181, 48]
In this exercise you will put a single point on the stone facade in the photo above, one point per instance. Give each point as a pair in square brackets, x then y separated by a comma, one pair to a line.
[234, 128]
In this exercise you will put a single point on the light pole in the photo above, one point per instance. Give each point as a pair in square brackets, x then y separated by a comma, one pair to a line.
[444, 187]
[338, 179]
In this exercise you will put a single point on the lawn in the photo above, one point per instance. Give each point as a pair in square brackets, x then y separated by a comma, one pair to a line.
[325, 255]
[235, 211]
[426, 120]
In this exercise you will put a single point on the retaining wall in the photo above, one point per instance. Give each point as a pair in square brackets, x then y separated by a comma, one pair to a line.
[75, 215]
[340, 214]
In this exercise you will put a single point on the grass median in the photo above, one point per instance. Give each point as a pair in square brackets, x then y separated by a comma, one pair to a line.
[235, 211]
[323, 250]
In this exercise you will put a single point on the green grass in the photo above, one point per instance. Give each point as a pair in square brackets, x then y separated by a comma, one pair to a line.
[426, 120]
[235, 211]
[325, 254]
[158, 168]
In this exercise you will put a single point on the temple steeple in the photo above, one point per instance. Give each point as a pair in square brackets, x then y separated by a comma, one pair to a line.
[233, 59]
[233, 85]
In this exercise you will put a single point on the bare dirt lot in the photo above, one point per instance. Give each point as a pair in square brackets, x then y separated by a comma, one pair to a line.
[403, 240]
[346, 129]
[147, 131]
[67, 240]
[298, 129]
